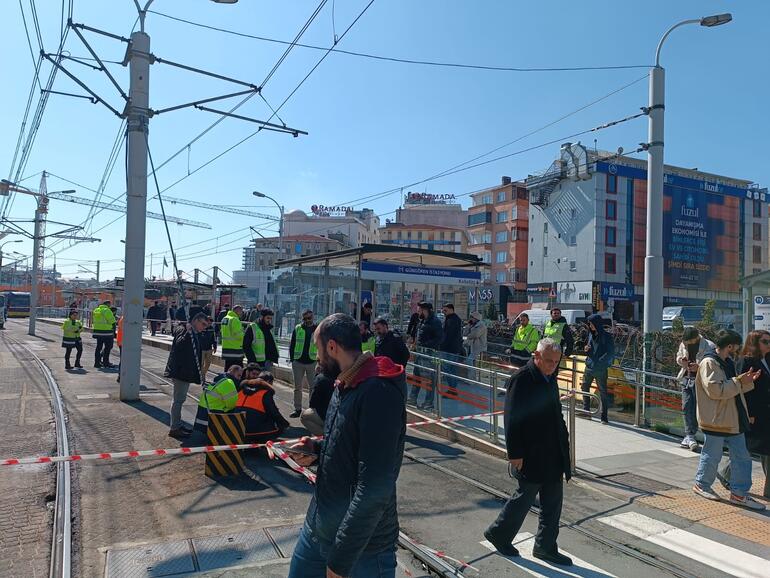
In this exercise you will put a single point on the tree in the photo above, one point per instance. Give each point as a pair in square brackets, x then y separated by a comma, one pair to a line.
[491, 311]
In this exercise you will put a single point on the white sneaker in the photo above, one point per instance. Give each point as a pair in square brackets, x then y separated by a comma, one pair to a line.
[685, 443]
[707, 493]
[693, 445]
[747, 502]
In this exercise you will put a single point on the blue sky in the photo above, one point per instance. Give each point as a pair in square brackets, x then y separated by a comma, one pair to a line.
[374, 126]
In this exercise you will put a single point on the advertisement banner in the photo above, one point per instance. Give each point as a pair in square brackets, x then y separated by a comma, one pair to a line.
[578, 292]
[418, 274]
[622, 291]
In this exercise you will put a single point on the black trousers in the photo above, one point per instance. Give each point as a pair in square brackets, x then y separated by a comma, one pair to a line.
[103, 348]
[78, 347]
[515, 510]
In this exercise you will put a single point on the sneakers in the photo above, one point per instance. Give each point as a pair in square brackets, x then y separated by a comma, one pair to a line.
[690, 443]
[747, 502]
[67, 366]
[554, 557]
[707, 493]
[506, 549]
[296, 413]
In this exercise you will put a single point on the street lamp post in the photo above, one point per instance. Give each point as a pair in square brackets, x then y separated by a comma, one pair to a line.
[1, 255]
[280, 232]
[653, 262]
[53, 293]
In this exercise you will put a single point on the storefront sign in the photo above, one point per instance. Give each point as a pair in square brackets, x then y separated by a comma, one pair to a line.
[620, 291]
[578, 292]
[428, 199]
[484, 294]
[330, 211]
[418, 274]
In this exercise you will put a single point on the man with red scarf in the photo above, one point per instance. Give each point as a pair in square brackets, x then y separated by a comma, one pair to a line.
[351, 527]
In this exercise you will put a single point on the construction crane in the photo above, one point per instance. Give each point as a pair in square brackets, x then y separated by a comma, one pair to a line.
[122, 209]
[221, 208]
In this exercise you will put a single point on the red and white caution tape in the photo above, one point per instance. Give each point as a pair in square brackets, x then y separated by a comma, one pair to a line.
[274, 450]
[198, 450]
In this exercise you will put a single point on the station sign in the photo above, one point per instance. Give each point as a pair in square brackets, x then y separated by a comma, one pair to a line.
[379, 271]
[762, 313]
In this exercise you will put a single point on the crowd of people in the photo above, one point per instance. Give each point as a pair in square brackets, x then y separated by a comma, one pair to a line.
[355, 375]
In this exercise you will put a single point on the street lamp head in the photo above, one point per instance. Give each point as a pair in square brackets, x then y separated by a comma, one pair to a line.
[67, 192]
[225, 1]
[258, 194]
[716, 20]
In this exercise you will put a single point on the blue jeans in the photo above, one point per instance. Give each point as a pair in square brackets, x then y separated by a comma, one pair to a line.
[424, 372]
[600, 375]
[740, 462]
[309, 560]
[449, 371]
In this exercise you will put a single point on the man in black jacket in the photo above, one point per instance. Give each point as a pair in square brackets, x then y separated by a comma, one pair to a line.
[154, 314]
[452, 345]
[184, 367]
[537, 444]
[430, 334]
[351, 527]
[389, 344]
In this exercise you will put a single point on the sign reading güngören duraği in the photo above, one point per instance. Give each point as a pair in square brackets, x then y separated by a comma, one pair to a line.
[418, 273]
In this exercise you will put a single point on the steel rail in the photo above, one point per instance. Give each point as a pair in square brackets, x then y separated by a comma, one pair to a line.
[61, 541]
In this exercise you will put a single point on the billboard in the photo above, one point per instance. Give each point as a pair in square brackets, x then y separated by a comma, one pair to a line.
[701, 238]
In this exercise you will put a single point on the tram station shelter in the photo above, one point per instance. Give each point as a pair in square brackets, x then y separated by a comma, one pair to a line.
[756, 301]
[392, 279]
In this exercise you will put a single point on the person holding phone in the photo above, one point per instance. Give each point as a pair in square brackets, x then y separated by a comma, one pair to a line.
[691, 351]
[724, 419]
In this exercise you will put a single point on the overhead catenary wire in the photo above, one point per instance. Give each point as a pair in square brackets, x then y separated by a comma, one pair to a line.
[404, 60]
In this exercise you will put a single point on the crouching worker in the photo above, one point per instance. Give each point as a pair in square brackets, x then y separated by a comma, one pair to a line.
[257, 399]
[219, 396]
[323, 388]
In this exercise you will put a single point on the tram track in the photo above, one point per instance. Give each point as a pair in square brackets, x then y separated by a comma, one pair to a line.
[61, 540]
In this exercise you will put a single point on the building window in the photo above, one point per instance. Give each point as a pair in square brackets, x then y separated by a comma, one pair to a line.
[500, 196]
[610, 236]
[757, 231]
[502, 216]
[545, 251]
[514, 213]
[609, 263]
[501, 256]
[419, 234]
[573, 240]
[486, 200]
[485, 275]
[408, 234]
[611, 210]
[500, 276]
[630, 189]
[757, 209]
[612, 184]
[573, 266]
[486, 256]
[501, 236]
[545, 228]
[757, 256]
[479, 218]
[514, 234]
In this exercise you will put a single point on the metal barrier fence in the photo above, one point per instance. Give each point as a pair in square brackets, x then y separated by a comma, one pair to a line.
[453, 388]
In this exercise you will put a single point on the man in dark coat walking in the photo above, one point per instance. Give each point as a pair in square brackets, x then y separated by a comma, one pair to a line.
[388, 344]
[537, 444]
[184, 367]
[452, 345]
[430, 334]
[351, 527]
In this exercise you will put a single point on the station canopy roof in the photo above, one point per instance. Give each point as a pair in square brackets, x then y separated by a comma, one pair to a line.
[385, 254]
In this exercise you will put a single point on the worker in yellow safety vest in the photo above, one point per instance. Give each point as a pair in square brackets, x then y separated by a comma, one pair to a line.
[259, 343]
[368, 341]
[558, 330]
[303, 355]
[219, 396]
[103, 329]
[232, 337]
[524, 342]
[71, 329]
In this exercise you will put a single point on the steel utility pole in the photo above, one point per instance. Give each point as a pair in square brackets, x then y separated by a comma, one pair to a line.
[653, 262]
[138, 57]
[37, 252]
